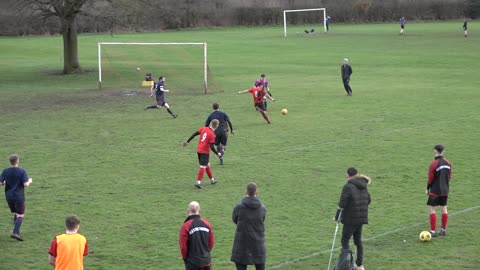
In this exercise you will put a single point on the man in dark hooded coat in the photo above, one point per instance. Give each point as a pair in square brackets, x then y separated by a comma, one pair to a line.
[249, 242]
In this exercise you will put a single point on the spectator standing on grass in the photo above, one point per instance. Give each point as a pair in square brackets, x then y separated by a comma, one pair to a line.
[439, 173]
[196, 240]
[346, 73]
[67, 250]
[249, 242]
[15, 180]
[353, 204]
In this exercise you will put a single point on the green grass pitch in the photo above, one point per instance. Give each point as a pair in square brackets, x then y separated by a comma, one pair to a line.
[122, 170]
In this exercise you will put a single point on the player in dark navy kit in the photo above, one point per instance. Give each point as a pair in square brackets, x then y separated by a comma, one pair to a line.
[259, 94]
[465, 27]
[402, 25]
[15, 180]
[160, 96]
[206, 143]
[221, 133]
[439, 174]
[263, 81]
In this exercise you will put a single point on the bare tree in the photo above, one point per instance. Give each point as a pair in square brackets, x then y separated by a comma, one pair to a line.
[66, 11]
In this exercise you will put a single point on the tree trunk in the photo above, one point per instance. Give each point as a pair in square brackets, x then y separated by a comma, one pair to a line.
[70, 46]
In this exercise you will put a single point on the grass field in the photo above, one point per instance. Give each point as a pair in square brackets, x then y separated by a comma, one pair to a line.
[122, 170]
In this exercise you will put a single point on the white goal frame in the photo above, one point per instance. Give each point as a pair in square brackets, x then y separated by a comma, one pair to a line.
[203, 44]
[301, 10]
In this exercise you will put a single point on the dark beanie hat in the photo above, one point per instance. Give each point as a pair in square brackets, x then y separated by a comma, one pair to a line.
[351, 171]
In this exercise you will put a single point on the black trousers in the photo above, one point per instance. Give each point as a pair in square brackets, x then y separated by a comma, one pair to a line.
[240, 266]
[356, 231]
[189, 266]
[347, 85]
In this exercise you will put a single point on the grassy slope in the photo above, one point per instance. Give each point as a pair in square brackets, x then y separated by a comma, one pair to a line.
[123, 172]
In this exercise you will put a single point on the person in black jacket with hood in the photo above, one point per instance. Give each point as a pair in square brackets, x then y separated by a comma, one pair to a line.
[249, 242]
[354, 203]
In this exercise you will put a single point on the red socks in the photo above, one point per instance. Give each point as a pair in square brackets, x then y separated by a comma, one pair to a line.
[433, 222]
[265, 116]
[201, 171]
[444, 221]
[209, 173]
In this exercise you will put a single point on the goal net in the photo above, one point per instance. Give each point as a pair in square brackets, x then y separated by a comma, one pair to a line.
[124, 66]
[311, 17]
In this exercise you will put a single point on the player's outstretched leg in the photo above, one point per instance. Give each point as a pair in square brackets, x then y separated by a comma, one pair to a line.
[170, 111]
[151, 107]
[264, 116]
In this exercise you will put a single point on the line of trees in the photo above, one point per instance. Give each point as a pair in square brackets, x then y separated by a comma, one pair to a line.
[69, 17]
[154, 15]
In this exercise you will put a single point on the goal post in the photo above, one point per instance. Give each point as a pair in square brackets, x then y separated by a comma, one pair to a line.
[202, 44]
[302, 10]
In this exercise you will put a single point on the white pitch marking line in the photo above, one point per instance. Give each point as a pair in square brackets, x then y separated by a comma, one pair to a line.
[299, 259]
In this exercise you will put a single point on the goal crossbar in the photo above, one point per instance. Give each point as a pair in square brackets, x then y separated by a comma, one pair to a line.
[301, 10]
[204, 44]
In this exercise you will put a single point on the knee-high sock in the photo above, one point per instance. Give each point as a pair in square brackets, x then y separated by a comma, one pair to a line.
[201, 172]
[209, 173]
[444, 221]
[17, 225]
[169, 111]
[433, 222]
[152, 107]
[265, 116]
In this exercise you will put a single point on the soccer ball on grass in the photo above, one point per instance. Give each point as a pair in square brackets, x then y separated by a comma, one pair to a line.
[425, 236]
[284, 111]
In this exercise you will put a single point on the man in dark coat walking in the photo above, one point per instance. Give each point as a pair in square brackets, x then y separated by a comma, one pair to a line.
[354, 203]
[346, 73]
[249, 242]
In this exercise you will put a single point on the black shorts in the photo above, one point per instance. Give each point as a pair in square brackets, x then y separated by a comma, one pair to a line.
[260, 106]
[160, 101]
[203, 159]
[221, 137]
[16, 206]
[402, 26]
[437, 200]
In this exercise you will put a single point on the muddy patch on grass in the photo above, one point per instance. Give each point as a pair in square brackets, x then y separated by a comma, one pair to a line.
[123, 93]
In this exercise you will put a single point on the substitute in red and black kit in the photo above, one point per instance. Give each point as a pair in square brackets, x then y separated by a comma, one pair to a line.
[196, 240]
[439, 174]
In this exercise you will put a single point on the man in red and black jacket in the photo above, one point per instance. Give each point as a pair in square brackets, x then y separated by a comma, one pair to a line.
[439, 174]
[196, 240]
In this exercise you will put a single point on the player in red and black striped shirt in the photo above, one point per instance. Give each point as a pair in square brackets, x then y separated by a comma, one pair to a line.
[205, 144]
[439, 174]
[258, 94]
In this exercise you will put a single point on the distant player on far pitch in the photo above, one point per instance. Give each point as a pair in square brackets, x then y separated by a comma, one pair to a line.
[258, 94]
[465, 22]
[221, 133]
[205, 144]
[160, 96]
[402, 25]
